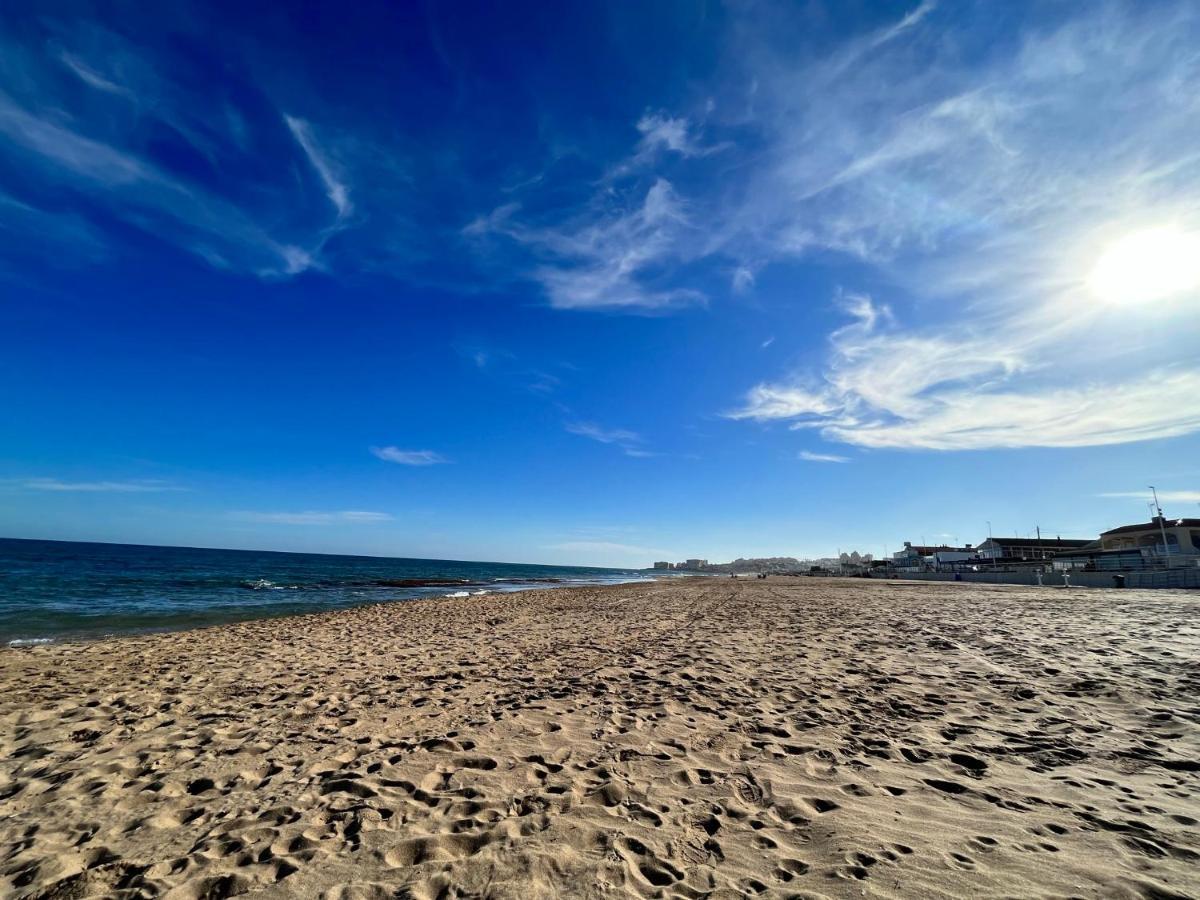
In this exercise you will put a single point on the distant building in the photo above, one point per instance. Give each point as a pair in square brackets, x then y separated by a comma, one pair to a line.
[664, 565]
[692, 564]
[912, 550]
[1183, 536]
[1094, 558]
[1016, 549]
[915, 557]
[1134, 547]
[950, 557]
[855, 557]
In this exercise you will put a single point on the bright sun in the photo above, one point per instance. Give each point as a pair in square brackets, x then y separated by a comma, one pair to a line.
[1148, 265]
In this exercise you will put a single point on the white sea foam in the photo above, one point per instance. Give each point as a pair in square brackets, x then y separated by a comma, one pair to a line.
[459, 594]
[29, 642]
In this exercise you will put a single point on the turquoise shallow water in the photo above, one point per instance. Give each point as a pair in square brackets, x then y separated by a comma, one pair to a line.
[51, 590]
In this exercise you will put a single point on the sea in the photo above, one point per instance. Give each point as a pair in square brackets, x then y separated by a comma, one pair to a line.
[60, 590]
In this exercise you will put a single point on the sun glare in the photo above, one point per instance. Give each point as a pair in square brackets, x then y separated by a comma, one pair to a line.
[1148, 265]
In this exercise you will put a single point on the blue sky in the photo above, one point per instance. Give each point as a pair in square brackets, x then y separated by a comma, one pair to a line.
[596, 283]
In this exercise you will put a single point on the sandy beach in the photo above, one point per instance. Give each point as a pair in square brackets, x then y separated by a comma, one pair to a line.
[699, 738]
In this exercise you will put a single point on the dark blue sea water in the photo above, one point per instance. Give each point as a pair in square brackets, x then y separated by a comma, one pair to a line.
[51, 590]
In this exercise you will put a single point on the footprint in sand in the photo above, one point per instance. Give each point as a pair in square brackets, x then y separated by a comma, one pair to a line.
[644, 865]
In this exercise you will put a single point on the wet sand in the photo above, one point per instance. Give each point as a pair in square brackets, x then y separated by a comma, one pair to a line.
[703, 738]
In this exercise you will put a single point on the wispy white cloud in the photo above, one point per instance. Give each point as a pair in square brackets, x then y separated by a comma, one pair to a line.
[662, 133]
[149, 486]
[360, 515]
[147, 197]
[242, 201]
[910, 20]
[622, 250]
[822, 457]
[660, 130]
[498, 221]
[743, 280]
[765, 402]
[630, 442]
[78, 155]
[1094, 415]
[540, 382]
[311, 517]
[335, 188]
[603, 435]
[507, 367]
[409, 457]
[964, 391]
[601, 260]
[90, 76]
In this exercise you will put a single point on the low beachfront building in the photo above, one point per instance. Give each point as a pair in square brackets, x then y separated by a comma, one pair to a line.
[1094, 558]
[664, 565]
[1017, 549]
[1182, 537]
[943, 559]
[1130, 548]
[917, 557]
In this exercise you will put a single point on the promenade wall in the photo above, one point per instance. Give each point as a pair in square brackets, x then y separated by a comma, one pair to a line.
[1170, 578]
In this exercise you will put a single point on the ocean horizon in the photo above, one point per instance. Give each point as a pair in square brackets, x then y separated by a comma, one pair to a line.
[59, 590]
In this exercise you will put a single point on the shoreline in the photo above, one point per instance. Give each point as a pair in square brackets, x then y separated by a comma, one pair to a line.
[699, 737]
[467, 591]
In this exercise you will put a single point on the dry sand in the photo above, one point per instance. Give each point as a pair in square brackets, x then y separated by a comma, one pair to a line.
[707, 738]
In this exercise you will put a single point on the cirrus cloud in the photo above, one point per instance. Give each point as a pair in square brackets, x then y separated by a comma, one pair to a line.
[809, 456]
[963, 391]
[56, 485]
[630, 442]
[409, 457]
[601, 258]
